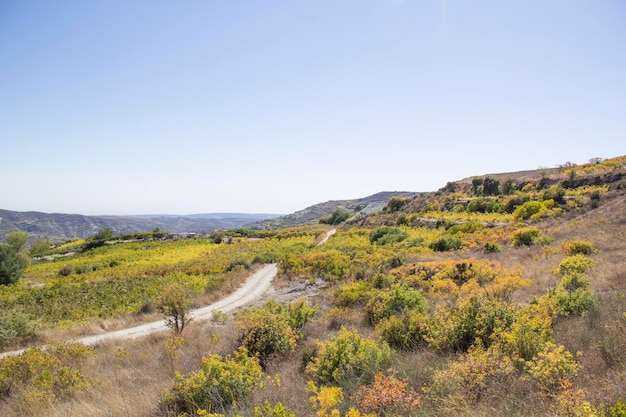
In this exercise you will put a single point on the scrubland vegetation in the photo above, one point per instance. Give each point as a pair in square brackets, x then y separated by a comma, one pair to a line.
[490, 297]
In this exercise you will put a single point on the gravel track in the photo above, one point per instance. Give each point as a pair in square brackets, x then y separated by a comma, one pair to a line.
[254, 287]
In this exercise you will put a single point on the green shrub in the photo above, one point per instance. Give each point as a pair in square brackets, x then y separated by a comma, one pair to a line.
[394, 302]
[219, 383]
[237, 264]
[338, 216]
[394, 204]
[576, 264]
[551, 366]
[41, 374]
[266, 334]
[16, 327]
[475, 318]
[484, 205]
[529, 332]
[353, 293]
[526, 236]
[578, 247]
[273, 329]
[406, 331]
[387, 235]
[279, 410]
[617, 410]
[513, 202]
[575, 302]
[446, 244]
[555, 193]
[491, 247]
[533, 210]
[348, 356]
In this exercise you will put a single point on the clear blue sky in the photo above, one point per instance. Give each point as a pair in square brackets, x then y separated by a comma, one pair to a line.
[160, 106]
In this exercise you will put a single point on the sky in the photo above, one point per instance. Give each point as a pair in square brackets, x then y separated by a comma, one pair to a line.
[201, 106]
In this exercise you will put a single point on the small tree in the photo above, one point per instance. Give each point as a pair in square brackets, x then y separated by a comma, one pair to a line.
[40, 247]
[338, 216]
[100, 238]
[174, 305]
[17, 240]
[13, 260]
[395, 204]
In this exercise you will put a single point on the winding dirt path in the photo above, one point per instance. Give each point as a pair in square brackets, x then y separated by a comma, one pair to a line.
[254, 287]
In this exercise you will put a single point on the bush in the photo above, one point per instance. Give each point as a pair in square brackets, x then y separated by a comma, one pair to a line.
[348, 356]
[273, 329]
[555, 193]
[530, 331]
[576, 264]
[338, 216]
[266, 334]
[353, 293]
[387, 235]
[16, 327]
[532, 210]
[394, 302]
[446, 244]
[279, 410]
[470, 375]
[39, 374]
[219, 383]
[551, 366]
[475, 319]
[578, 247]
[491, 247]
[526, 236]
[617, 410]
[575, 302]
[513, 202]
[237, 264]
[387, 396]
[395, 204]
[406, 331]
[66, 270]
[484, 205]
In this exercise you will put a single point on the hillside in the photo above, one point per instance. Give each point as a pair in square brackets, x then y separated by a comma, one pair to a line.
[313, 214]
[62, 227]
[499, 294]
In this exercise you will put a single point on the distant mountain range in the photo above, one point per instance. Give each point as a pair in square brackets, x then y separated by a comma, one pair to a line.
[61, 227]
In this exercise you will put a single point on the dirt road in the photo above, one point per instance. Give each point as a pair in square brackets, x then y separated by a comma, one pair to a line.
[253, 288]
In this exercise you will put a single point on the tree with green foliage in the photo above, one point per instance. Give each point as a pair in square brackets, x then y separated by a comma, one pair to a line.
[40, 247]
[100, 238]
[13, 259]
[338, 216]
[395, 204]
[175, 305]
[491, 186]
